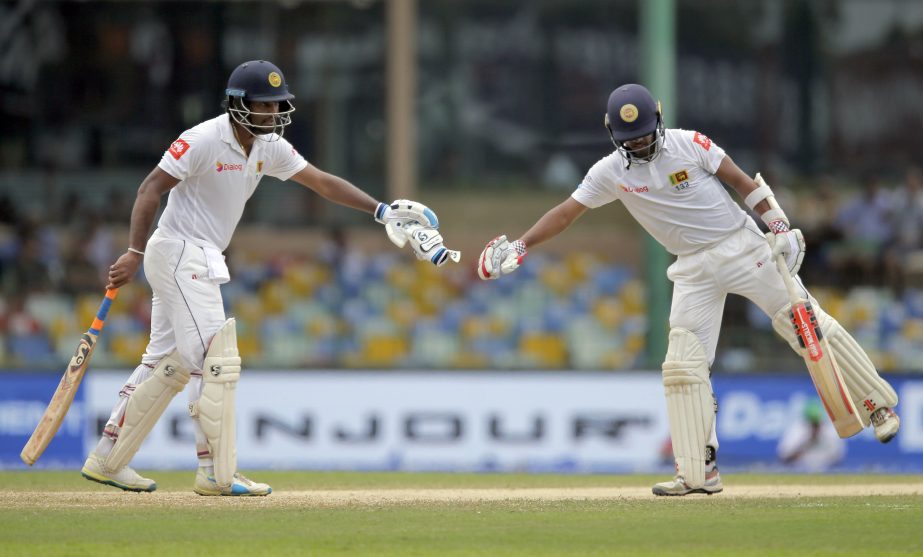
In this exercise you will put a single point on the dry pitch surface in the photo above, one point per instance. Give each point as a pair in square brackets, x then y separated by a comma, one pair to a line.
[385, 497]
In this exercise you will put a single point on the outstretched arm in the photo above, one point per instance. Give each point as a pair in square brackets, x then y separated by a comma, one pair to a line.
[335, 189]
[553, 222]
[501, 257]
[405, 221]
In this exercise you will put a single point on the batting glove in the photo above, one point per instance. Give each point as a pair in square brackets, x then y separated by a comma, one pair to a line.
[790, 245]
[402, 213]
[500, 257]
[427, 245]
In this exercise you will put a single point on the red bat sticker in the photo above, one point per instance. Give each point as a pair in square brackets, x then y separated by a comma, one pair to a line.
[803, 318]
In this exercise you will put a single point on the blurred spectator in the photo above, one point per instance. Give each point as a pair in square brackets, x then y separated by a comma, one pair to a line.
[26, 341]
[82, 276]
[817, 214]
[907, 247]
[811, 444]
[865, 222]
[27, 272]
[8, 213]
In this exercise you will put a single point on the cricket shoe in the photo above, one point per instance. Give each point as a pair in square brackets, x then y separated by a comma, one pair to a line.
[126, 478]
[241, 486]
[678, 485]
[887, 423]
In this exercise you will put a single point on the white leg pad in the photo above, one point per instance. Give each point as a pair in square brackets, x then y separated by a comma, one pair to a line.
[145, 406]
[866, 388]
[216, 409]
[690, 404]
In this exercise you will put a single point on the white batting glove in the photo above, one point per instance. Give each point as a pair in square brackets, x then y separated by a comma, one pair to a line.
[402, 213]
[500, 257]
[790, 245]
[427, 245]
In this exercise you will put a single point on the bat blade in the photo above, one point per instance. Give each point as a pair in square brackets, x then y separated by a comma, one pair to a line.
[825, 371]
[63, 396]
[61, 401]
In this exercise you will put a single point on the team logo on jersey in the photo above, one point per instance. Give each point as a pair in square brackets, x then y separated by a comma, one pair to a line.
[628, 112]
[680, 180]
[178, 148]
[259, 167]
[275, 79]
[634, 189]
[220, 166]
[702, 140]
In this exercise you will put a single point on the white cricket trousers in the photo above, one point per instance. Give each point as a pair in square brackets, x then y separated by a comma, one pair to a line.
[740, 264]
[187, 310]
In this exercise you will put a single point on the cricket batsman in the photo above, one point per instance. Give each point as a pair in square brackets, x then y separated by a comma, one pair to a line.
[670, 180]
[210, 172]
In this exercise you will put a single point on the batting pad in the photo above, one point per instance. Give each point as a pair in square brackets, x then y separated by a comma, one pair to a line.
[690, 404]
[145, 406]
[867, 389]
[216, 408]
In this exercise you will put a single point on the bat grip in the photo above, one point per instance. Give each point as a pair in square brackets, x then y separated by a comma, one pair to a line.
[787, 279]
[103, 311]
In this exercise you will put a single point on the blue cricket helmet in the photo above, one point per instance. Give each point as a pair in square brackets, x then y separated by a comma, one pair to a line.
[259, 81]
[632, 113]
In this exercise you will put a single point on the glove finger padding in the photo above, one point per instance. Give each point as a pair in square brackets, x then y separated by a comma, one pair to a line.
[427, 244]
[413, 211]
[500, 257]
[402, 213]
[487, 262]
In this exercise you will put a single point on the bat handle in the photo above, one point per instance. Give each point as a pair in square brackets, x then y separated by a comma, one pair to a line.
[793, 295]
[103, 311]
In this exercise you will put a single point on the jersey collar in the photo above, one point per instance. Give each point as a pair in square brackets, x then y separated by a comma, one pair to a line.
[227, 134]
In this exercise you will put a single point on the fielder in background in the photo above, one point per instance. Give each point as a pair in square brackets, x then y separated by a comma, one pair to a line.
[210, 172]
[670, 180]
[811, 444]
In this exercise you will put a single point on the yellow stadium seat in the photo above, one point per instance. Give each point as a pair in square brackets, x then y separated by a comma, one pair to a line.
[249, 346]
[384, 350]
[127, 348]
[469, 359]
[274, 295]
[544, 349]
[609, 312]
[633, 297]
[557, 279]
[404, 313]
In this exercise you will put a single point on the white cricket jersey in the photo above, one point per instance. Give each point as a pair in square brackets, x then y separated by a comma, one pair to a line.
[677, 198]
[216, 180]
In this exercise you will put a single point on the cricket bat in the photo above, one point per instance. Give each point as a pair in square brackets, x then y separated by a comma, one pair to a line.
[63, 396]
[821, 362]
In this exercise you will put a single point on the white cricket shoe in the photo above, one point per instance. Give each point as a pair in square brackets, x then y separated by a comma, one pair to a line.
[126, 478]
[240, 487]
[887, 423]
[678, 486]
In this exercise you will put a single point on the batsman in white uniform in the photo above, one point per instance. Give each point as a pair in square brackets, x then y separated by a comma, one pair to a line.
[670, 180]
[210, 172]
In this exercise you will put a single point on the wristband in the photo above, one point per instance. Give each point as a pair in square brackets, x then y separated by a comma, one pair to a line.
[133, 250]
[776, 220]
[380, 212]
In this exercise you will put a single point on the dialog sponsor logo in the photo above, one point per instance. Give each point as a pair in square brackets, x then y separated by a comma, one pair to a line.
[220, 167]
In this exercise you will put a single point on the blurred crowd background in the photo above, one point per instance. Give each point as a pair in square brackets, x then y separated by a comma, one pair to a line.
[822, 97]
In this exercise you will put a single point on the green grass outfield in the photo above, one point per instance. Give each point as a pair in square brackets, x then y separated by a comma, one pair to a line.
[57, 513]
